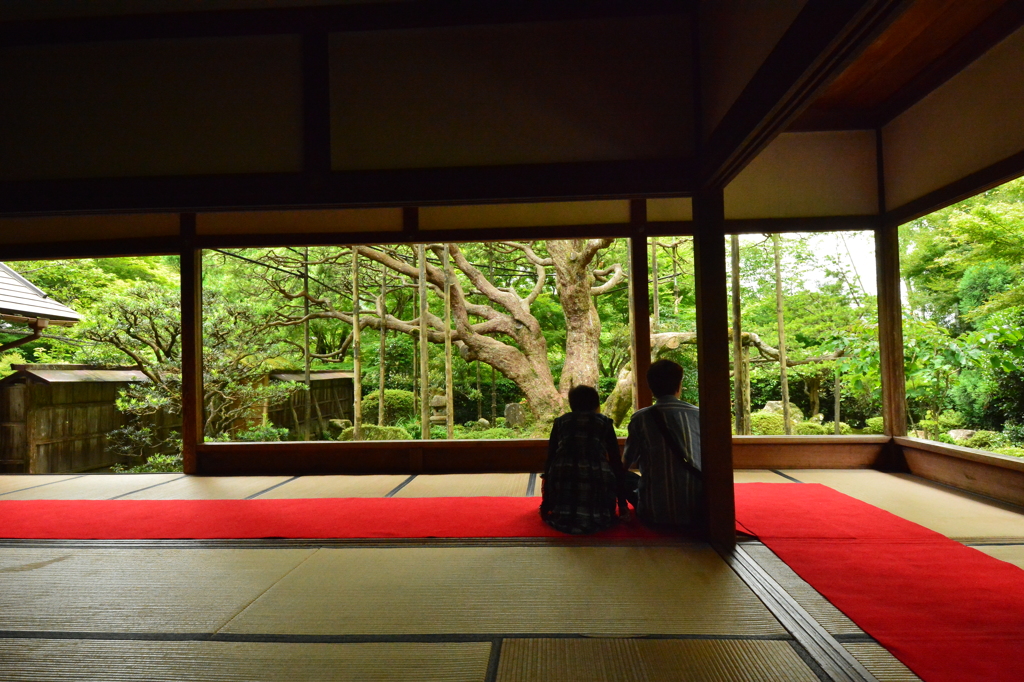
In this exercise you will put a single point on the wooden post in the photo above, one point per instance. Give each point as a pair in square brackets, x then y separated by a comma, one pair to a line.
[382, 312]
[448, 396]
[640, 303]
[424, 349]
[192, 420]
[357, 361]
[713, 367]
[890, 310]
[738, 392]
[890, 330]
[787, 424]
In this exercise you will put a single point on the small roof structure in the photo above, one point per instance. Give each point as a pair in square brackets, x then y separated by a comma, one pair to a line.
[19, 298]
[77, 374]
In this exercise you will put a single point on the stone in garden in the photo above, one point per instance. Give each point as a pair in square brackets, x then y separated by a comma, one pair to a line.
[775, 407]
[483, 423]
[438, 402]
[515, 415]
[961, 434]
[339, 425]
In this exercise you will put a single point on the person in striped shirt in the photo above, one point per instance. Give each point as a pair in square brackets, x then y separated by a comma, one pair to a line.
[664, 443]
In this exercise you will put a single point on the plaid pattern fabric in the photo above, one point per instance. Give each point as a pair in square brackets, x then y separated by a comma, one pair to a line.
[582, 479]
[668, 493]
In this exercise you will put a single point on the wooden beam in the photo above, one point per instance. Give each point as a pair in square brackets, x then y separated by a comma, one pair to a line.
[353, 189]
[824, 38]
[344, 17]
[640, 302]
[316, 106]
[713, 367]
[191, 345]
[98, 248]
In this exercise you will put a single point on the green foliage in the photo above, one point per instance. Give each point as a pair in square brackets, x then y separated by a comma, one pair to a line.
[810, 429]
[263, 433]
[950, 419]
[157, 464]
[399, 406]
[766, 424]
[874, 426]
[487, 434]
[1012, 451]
[1014, 432]
[844, 428]
[8, 359]
[372, 432]
[987, 440]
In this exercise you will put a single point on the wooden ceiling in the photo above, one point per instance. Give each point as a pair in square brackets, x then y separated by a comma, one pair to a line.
[929, 43]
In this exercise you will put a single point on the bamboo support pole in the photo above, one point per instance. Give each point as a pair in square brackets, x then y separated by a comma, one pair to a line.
[357, 362]
[786, 417]
[382, 312]
[742, 410]
[448, 392]
[424, 349]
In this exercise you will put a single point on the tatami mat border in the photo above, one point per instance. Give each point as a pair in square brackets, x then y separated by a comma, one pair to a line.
[353, 639]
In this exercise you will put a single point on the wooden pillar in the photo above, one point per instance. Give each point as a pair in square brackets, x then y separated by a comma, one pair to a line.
[890, 310]
[890, 330]
[640, 302]
[713, 367]
[191, 265]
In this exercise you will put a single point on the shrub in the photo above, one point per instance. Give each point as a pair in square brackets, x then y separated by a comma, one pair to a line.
[874, 425]
[373, 432]
[157, 464]
[766, 424]
[1014, 433]
[950, 419]
[1011, 451]
[810, 429]
[844, 428]
[265, 433]
[487, 434]
[987, 440]
[398, 406]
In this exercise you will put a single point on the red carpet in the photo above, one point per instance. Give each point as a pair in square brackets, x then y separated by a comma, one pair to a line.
[436, 517]
[947, 611]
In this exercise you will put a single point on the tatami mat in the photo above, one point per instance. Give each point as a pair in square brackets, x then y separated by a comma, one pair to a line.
[1013, 554]
[615, 591]
[820, 609]
[466, 485]
[758, 476]
[632, 660]
[307, 487]
[115, 661]
[134, 590]
[92, 487]
[10, 484]
[953, 513]
[880, 663]
[209, 488]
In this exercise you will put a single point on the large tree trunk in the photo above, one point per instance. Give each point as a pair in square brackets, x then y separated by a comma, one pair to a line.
[786, 417]
[574, 279]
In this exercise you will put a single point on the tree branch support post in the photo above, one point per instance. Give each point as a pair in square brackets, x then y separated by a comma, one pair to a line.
[191, 265]
[640, 303]
[424, 349]
[713, 368]
[357, 362]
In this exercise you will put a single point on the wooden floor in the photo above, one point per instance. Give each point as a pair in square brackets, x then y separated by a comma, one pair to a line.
[432, 610]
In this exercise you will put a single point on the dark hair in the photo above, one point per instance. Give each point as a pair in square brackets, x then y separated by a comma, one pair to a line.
[664, 377]
[584, 399]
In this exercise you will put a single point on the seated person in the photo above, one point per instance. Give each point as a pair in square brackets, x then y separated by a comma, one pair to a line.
[583, 476]
[664, 442]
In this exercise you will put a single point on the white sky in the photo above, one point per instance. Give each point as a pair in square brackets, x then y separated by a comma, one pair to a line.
[855, 249]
